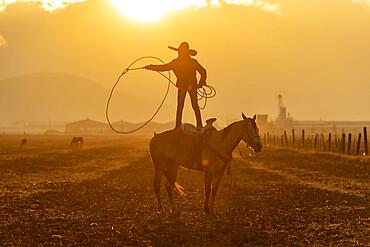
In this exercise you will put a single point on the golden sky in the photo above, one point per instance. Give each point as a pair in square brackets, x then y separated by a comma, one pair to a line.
[314, 52]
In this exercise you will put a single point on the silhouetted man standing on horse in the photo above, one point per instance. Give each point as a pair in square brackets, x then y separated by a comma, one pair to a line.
[185, 68]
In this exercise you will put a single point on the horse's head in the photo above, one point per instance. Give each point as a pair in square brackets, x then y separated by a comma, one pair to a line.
[251, 135]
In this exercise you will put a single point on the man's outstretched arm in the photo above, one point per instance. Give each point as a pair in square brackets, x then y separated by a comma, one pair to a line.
[161, 67]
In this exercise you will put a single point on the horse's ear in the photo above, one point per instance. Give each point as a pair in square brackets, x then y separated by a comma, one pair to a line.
[244, 117]
[254, 117]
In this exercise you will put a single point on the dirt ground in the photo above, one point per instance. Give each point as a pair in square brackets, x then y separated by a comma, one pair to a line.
[102, 196]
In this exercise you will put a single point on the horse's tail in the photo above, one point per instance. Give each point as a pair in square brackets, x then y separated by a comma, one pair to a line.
[179, 190]
[177, 187]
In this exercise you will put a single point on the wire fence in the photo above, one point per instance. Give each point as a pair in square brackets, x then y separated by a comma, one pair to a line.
[345, 143]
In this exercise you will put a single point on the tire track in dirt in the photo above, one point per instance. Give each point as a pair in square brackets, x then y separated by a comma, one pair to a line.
[333, 184]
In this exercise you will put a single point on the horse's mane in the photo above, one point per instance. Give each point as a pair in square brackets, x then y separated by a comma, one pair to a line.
[225, 131]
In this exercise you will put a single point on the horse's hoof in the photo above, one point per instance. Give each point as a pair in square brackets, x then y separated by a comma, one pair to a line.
[175, 214]
[159, 211]
[174, 210]
[208, 212]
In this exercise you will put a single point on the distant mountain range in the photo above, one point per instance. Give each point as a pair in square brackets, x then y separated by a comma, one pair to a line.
[61, 97]
[84, 126]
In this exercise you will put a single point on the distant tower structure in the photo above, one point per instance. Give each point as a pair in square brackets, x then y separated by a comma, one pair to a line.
[281, 108]
[283, 120]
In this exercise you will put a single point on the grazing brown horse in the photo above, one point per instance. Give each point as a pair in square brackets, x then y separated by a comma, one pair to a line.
[168, 153]
[77, 143]
[23, 144]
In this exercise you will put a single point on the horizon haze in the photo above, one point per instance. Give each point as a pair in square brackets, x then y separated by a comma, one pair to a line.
[314, 53]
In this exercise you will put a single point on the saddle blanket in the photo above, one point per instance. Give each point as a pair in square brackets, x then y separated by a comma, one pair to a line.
[189, 129]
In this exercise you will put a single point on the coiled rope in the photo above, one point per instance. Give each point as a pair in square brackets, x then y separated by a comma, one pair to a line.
[204, 93]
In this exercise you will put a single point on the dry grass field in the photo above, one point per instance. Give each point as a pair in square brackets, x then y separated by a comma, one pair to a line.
[102, 196]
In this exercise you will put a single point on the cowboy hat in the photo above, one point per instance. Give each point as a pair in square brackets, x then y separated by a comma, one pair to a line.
[184, 48]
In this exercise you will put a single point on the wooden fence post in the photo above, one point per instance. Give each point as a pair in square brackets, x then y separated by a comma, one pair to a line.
[329, 142]
[282, 140]
[303, 139]
[365, 142]
[358, 144]
[349, 143]
[315, 142]
[285, 138]
[323, 142]
[293, 138]
[343, 143]
[354, 140]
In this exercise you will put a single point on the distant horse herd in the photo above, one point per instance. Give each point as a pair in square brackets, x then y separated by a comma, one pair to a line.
[77, 142]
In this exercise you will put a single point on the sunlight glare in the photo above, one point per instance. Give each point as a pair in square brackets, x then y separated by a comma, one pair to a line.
[149, 10]
[141, 10]
[48, 5]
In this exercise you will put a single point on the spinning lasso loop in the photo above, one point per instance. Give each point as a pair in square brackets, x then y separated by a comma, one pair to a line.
[204, 93]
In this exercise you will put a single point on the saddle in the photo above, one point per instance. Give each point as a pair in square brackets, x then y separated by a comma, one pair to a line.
[190, 129]
[192, 141]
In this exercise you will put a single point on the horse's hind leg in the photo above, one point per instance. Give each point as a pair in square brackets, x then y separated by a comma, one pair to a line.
[171, 175]
[207, 191]
[158, 171]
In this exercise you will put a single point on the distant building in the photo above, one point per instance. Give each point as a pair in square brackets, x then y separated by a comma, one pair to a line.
[35, 127]
[87, 125]
[148, 128]
[124, 126]
[19, 124]
[262, 120]
[52, 132]
[330, 126]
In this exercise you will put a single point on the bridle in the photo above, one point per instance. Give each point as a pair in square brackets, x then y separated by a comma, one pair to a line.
[249, 138]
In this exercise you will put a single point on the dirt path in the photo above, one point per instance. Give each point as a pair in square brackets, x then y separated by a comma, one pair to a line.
[262, 203]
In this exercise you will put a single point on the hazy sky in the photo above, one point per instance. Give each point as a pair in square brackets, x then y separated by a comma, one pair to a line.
[314, 52]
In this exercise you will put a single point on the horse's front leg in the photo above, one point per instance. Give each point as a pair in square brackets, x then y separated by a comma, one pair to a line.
[207, 191]
[215, 183]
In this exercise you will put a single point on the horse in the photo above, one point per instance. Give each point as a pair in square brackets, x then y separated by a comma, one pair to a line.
[23, 144]
[214, 156]
[77, 143]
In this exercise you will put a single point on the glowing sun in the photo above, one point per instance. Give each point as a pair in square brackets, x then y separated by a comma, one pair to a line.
[143, 10]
